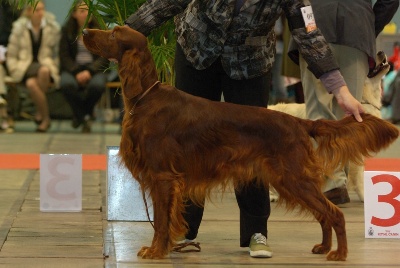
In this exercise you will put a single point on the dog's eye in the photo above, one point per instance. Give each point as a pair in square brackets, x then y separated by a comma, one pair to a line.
[112, 36]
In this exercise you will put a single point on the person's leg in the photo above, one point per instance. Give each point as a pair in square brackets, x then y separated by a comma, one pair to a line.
[278, 82]
[44, 78]
[396, 106]
[39, 99]
[74, 96]
[252, 92]
[354, 68]
[203, 83]
[2, 82]
[318, 101]
[253, 200]
[320, 104]
[93, 92]
[254, 205]
[193, 216]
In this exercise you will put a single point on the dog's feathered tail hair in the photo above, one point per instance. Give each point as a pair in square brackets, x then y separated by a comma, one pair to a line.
[347, 140]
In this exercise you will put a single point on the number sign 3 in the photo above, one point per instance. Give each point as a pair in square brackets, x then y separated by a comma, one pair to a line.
[382, 204]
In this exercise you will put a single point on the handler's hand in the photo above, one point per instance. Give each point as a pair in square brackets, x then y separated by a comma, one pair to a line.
[348, 103]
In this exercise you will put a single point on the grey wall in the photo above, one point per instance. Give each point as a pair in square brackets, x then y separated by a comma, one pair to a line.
[396, 20]
[59, 8]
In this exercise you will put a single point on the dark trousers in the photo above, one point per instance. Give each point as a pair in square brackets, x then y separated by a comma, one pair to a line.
[211, 83]
[82, 100]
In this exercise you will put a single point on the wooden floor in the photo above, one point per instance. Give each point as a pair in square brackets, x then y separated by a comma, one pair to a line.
[30, 238]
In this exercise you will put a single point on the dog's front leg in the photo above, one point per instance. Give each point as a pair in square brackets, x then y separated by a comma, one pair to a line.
[168, 220]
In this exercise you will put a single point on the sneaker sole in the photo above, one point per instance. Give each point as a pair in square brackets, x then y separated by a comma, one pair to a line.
[261, 254]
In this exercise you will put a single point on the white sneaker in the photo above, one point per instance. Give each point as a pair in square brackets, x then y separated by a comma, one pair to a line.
[258, 246]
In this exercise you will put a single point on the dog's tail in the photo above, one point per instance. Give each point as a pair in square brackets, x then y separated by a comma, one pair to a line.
[347, 140]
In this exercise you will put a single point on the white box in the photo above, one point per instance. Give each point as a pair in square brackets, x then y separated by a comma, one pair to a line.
[124, 196]
[60, 182]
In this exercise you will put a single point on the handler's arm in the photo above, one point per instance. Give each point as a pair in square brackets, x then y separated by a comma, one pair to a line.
[153, 13]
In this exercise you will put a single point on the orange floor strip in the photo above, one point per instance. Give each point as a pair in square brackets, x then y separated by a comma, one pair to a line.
[99, 162]
[32, 161]
[382, 164]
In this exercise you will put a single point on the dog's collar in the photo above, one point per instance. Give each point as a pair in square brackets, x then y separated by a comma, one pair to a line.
[131, 112]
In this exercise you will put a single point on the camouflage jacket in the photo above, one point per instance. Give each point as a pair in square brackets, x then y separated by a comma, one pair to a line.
[208, 30]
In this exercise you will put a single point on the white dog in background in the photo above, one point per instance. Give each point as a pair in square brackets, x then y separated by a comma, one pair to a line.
[371, 101]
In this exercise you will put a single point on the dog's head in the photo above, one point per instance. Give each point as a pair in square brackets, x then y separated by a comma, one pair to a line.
[129, 48]
[112, 44]
[382, 66]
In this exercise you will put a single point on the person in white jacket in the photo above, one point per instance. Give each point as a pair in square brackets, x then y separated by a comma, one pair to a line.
[32, 57]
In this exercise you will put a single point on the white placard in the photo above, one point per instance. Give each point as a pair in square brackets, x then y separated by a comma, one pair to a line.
[382, 204]
[60, 182]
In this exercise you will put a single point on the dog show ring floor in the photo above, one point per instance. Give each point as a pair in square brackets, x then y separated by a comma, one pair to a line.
[31, 238]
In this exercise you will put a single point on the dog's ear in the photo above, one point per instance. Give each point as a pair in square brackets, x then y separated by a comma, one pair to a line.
[131, 43]
[132, 84]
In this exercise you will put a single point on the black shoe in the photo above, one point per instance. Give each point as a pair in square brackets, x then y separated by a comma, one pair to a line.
[338, 195]
[43, 130]
[37, 121]
[76, 122]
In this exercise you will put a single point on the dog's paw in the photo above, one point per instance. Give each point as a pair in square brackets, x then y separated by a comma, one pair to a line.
[334, 255]
[142, 251]
[320, 249]
[150, 253]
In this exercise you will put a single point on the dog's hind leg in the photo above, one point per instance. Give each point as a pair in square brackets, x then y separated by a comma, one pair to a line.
[168, 220]
[328, 215]
[326, 244]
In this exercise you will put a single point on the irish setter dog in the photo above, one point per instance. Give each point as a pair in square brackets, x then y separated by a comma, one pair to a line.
[179, 146]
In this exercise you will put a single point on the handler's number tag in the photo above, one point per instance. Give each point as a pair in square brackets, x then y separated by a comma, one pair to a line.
[308, 17]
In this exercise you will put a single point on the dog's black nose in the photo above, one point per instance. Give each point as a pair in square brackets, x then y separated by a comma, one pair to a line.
[85, 31]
